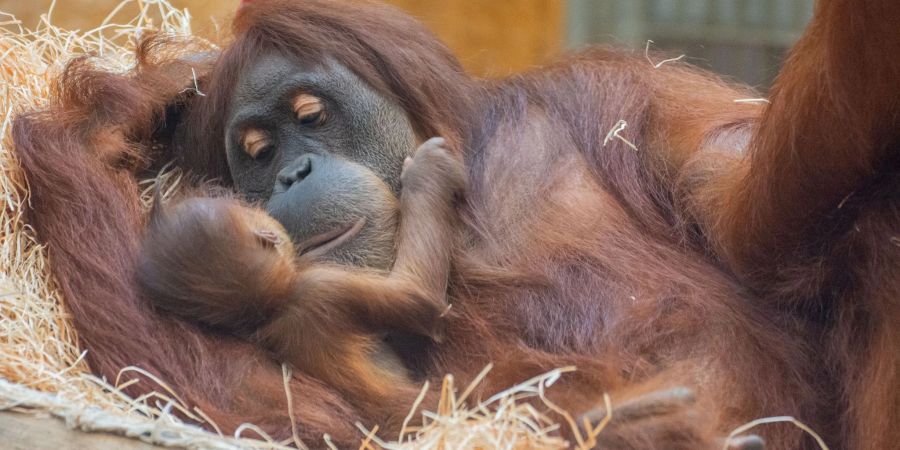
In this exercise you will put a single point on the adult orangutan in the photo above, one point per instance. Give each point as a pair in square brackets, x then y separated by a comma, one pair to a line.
[707, 260]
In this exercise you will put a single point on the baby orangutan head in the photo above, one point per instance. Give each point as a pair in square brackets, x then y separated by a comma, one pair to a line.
[218, 262]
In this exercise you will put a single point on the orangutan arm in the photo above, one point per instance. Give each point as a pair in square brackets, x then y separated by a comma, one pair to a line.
[828, 128]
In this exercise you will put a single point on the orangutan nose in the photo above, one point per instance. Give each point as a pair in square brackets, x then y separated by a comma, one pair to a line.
[295, 172]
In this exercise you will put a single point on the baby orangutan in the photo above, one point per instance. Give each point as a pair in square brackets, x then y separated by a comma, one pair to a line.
[221, 264]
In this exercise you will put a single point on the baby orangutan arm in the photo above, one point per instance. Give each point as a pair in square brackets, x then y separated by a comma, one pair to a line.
[432, 183]
[405, 300]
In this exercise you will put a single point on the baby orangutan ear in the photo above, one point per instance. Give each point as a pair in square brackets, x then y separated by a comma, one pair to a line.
[266, 231]
[268, 238]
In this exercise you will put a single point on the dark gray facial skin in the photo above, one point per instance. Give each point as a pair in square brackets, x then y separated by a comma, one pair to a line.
[320, 178]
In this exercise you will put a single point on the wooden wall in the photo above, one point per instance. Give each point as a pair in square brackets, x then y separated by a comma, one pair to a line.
[491, 37]
[494, 37]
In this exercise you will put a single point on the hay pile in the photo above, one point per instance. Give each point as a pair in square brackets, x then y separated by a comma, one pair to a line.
[41, 365]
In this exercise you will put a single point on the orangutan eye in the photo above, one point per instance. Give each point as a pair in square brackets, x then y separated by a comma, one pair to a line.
[256, 143]
[309, 109]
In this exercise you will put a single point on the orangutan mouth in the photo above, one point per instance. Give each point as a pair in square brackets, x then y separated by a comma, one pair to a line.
[323, 243]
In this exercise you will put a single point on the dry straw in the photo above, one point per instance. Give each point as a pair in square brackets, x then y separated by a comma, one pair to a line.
[42, 368]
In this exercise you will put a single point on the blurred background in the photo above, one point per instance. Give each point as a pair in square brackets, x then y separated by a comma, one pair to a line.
[743, 39]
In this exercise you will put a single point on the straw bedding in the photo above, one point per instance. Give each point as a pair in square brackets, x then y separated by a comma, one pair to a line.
[41, 364]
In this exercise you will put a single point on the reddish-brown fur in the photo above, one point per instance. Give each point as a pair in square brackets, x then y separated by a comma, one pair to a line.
[749, 252]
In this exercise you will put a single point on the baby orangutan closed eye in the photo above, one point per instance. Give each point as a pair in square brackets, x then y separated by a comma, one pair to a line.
[230, 267]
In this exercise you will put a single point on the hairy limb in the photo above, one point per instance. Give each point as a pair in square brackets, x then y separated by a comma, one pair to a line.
[831, 124]
[792, 217]
[433, 180]
[370, 300]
